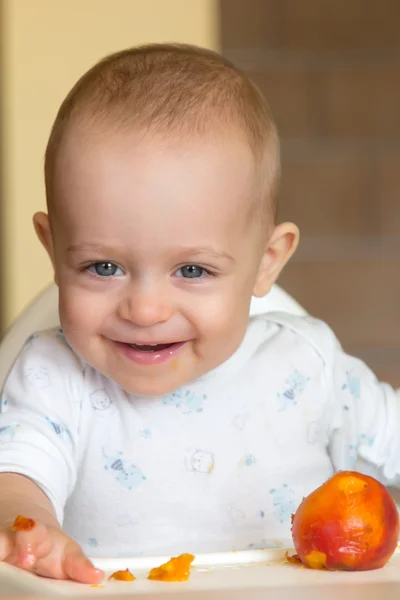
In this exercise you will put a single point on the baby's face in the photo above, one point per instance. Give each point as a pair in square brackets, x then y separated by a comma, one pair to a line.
[155, 257]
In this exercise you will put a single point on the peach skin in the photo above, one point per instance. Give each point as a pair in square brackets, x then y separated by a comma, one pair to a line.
[350, 523]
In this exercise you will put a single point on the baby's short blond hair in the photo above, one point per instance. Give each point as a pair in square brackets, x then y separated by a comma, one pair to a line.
[172, 90]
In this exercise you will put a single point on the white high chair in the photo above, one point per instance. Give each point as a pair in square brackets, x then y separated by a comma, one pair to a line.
[42, 313]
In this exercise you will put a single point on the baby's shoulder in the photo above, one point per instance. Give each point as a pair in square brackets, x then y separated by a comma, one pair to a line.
[48, 350]
[48, 341]
[293, 335]
[46, 371]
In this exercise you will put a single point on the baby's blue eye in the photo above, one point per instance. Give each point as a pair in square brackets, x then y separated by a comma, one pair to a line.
[191, 272]
[105, 269]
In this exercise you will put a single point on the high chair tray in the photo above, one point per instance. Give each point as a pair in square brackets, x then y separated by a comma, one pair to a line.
[234, 575]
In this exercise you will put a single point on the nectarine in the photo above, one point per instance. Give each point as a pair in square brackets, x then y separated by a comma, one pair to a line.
[176, 569]
[350, 523]
[123, 575]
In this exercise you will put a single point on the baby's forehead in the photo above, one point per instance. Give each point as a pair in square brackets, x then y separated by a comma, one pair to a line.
[171, 90]
[109, 151]
[101, 169]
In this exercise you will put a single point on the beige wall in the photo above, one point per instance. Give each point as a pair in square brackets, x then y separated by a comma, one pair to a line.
[47, 45]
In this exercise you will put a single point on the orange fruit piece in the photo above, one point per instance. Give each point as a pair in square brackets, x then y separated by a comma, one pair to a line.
[23, 524]
[176, 569]
[123, 576]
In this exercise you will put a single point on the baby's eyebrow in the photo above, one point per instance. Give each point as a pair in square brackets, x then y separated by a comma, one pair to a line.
[75, 248]
[204, 251]
[188, 252]
[183, 254]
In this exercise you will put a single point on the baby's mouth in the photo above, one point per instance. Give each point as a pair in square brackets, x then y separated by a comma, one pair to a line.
[150, 354]
[151, 347]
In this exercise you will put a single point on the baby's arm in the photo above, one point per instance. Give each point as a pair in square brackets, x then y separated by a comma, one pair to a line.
[38, 440]
[20, 496]
[39, 543]
[364, 427]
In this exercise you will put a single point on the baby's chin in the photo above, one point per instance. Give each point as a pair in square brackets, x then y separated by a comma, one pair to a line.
[150, 387]
[152, 380]
[161, 382]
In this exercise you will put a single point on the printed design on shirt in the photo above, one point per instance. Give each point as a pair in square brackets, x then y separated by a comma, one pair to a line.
[186, 400]
[240, 421]
[353, 449]
[7, 433]
[295, 384]
[248, 460]
[61, 430]
[200, 461]
[93, 543]
[352, 384]
[145, 434]
[283, 500]
[3, 404]
[366, 439]
[235, 514]
[126, 520]
[100, 399]
[313, 432]
[126, 473]
[38, 377]
[352, 455]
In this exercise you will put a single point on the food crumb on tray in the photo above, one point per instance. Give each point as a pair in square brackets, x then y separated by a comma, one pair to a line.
[122, 576]
[176, 569]
[294, 559]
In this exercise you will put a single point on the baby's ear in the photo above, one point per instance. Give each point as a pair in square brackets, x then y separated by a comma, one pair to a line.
[279, 248]
[41, 224]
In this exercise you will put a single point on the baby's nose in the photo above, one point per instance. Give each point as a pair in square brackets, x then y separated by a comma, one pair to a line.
[145, 307]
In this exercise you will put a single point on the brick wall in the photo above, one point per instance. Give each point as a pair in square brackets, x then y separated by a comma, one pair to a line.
[330, 70]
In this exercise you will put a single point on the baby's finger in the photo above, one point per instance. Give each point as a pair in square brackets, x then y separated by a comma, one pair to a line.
[31, 543]
[6, 545]
[79, 568]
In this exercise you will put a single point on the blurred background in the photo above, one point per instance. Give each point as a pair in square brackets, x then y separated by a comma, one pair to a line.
[330, 71]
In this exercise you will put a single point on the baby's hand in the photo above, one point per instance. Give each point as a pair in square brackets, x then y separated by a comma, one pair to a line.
[46, 551]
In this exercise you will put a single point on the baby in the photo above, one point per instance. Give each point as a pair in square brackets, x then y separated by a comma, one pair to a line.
[160, 418]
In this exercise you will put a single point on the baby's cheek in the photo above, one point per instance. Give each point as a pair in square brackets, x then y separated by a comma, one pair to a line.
[225, 332]
[78, 323]
[78, 308]
[233, 319]
[75, 324]
[218, 314]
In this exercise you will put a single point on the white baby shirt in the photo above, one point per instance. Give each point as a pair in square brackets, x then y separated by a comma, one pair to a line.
[217, 465]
